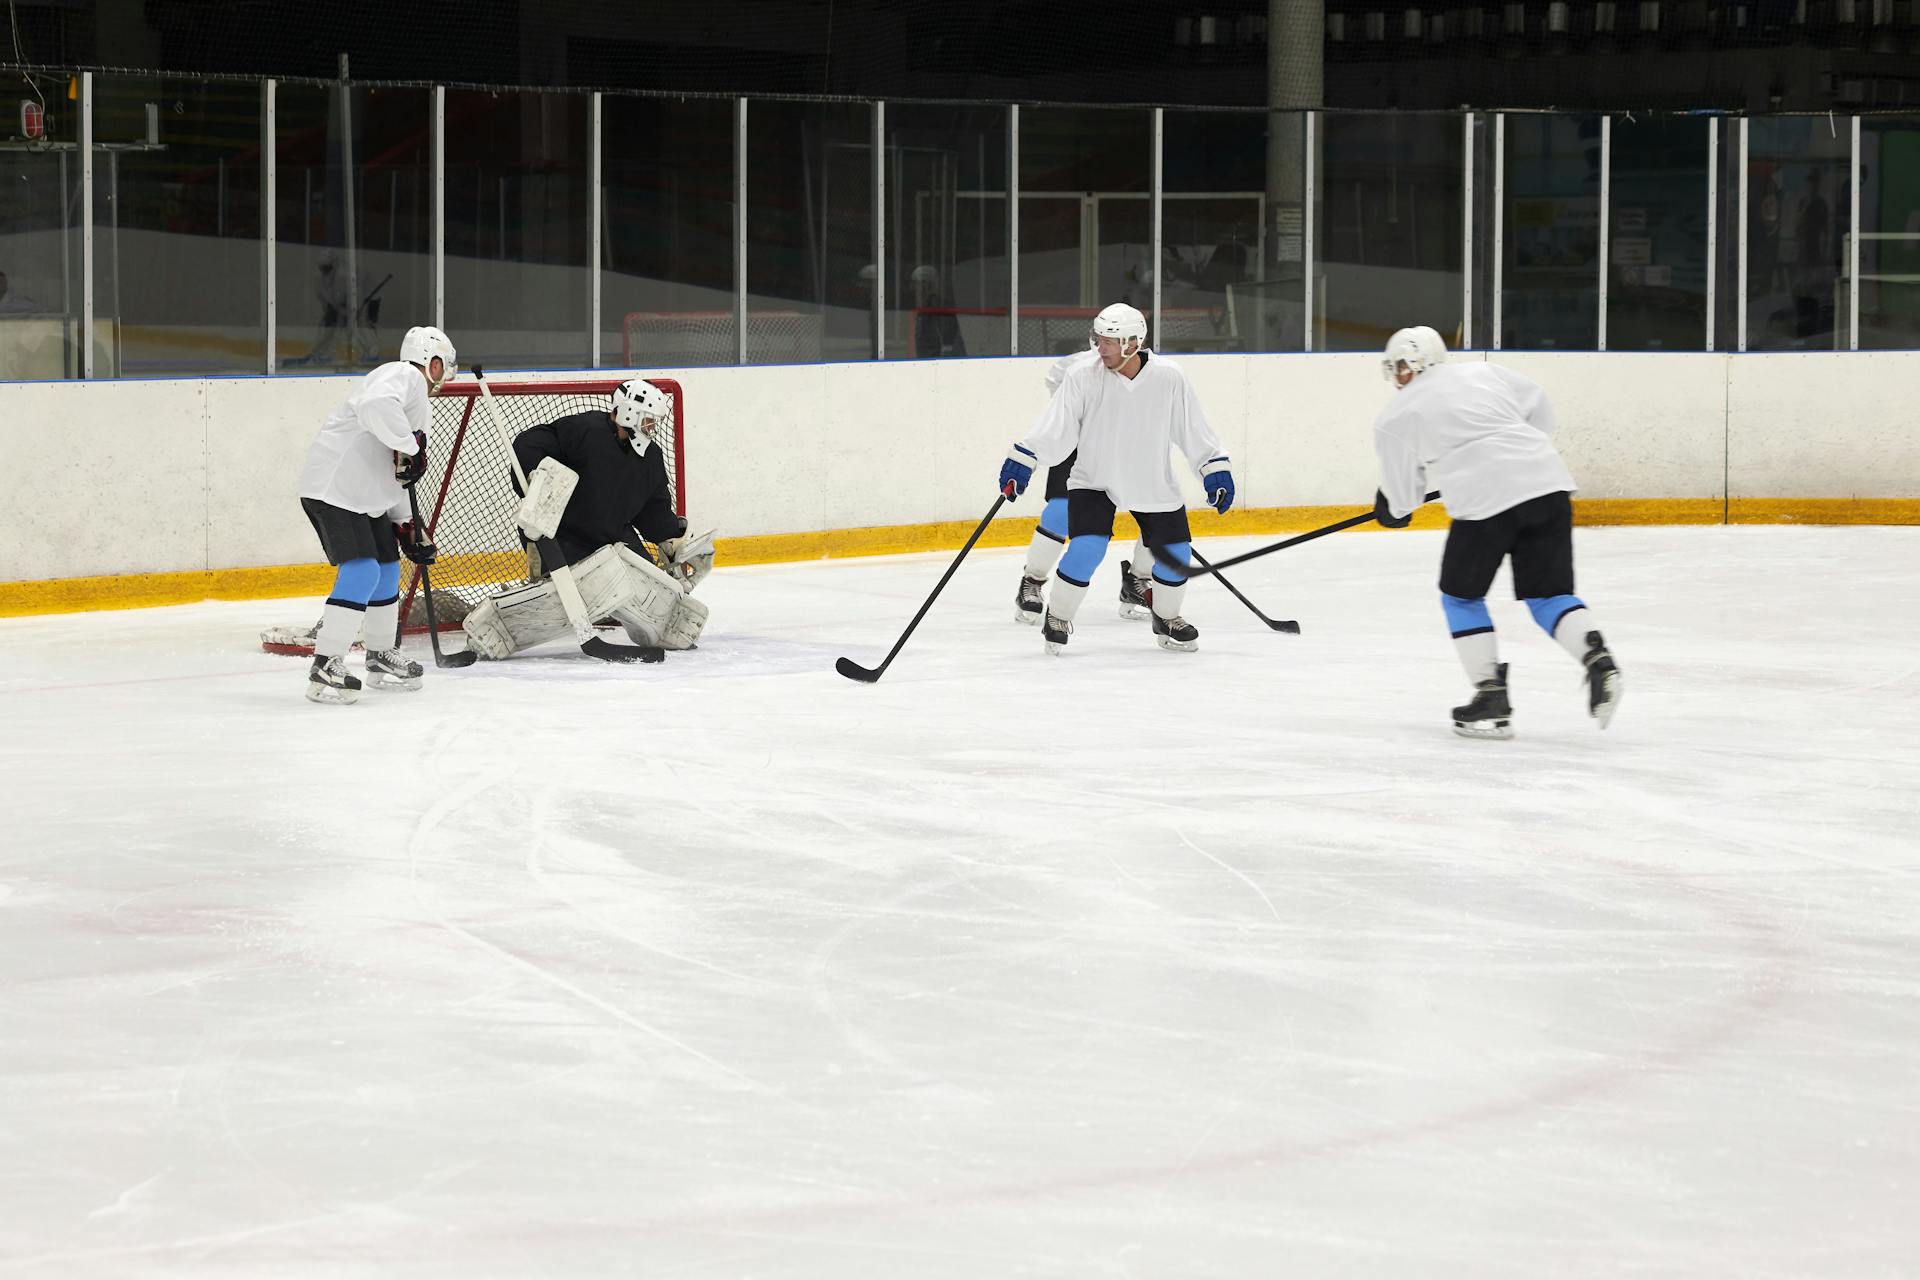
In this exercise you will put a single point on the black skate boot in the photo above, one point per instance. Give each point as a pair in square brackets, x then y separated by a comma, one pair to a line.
[1176, 633]
[1029, 605]
[392, 669]
[1136, 598]
[1489, 715]
[328, 681]
[1603, 680]
[1055, 632]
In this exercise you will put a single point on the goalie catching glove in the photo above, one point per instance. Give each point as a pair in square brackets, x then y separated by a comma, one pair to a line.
[688, 560]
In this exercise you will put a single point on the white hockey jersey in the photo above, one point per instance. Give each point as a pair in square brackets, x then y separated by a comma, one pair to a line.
[1057, 371]
[350, 463]
[1479, 433]
[1122, 428]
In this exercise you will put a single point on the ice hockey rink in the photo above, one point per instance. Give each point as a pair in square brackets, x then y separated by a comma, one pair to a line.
[1121, 964]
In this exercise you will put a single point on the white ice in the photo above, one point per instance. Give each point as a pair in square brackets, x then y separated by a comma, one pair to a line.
[1124, 963]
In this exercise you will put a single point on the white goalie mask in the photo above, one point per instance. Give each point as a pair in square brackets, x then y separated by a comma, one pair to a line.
[643, 409]
[1419, 348]
[1120, 321]
[421, 345]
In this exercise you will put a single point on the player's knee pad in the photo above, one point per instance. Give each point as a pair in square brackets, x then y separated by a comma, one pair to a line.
[1053, 517]
[1162, 576]
[1084, 554]
[1466, 616]
[1548, 610]
[354, 581]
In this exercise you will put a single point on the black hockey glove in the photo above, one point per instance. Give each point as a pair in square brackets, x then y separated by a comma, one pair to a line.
[409, 467]
[415, 545]
[1384, 513]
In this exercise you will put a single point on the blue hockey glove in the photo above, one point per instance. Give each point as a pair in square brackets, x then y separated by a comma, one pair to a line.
[1384, 513]
[1017, 470]
[1219, 487]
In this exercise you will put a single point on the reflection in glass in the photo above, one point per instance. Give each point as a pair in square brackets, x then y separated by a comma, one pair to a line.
[1657, 233]
[1550, 292]
[810, 270]
[176, 225]
[1085, 173]
[517, 228]
[1890, 233]
[1389, 241]
[354, 251]
[40, 261]
[947, 278]
[667, 243]
[1797, 195]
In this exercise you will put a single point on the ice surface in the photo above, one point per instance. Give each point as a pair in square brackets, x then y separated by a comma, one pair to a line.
[1125, 963]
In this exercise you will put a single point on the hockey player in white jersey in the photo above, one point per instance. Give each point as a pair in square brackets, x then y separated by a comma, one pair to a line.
[1118, 415]
[1050, 535]
[352, 488]
[1482, 435]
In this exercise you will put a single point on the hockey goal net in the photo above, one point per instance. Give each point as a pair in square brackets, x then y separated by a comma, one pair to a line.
[468, 499]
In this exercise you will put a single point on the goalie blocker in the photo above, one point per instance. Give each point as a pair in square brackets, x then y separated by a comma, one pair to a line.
[614, 582]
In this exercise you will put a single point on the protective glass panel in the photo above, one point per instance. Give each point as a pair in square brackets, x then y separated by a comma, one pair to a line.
[40, 251]
[1889, 233]
[1388, 243]
[176, 226]
[1796, 192]
[517, 228]
[353, 258]
[666, 239]
[810, 269]
[1551, 260]
[1657, 235]
[947, 276]
[1231, 269]
[1078, 251]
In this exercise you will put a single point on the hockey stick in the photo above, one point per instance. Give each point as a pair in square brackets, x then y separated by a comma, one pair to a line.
[1287, 625]
[1164, 558]
[561, 573]
[464, 658]
[867, 675]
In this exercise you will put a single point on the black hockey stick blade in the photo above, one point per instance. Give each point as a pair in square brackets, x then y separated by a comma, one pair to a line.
[450, 661]
[1165, 558]
[595, 647]
[867, 675]
[1287, 625]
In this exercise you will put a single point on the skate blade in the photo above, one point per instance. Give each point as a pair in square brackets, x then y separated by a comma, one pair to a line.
[1494, 730]
[380, 680]
[1610, 691]
[1031, 619]
[1177, 646]
[1135, 611]
[1055, 646]
[328, 695]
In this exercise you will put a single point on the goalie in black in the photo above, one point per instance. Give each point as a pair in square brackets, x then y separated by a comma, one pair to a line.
[596, 495]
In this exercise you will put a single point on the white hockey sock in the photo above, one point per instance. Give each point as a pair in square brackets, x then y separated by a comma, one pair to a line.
[1142, 562]
[1479, 654]
[1571, 632]
[1064, 600]
[1167, 600]
[1043, 552]
[383, 625]
[339, 628]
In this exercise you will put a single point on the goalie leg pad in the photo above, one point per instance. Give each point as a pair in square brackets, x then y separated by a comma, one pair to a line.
[684, 627]
[516, 620]
[648, 598]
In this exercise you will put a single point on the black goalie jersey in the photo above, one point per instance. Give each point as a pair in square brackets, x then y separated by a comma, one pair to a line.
[619, 491]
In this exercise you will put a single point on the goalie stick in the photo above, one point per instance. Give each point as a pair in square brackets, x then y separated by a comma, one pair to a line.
[1174, 566]
[867, 675]
[561, 574]
[465, 657]
[1287, 625]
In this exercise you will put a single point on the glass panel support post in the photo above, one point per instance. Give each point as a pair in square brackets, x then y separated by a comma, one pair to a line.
[1466, 231]
[1499, 219]
[1606, 198]
[269, 179]
[1713, 218]
[1013, 229]
[86, 224]
[1156, 186]
[740, 230]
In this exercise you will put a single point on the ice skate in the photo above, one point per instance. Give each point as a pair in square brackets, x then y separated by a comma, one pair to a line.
[1055, 632]
[328, 681]
[1136, 598]
[1176, 633]
[392, 669]
[1029, 606]
[1603, 680]
[1489, 715]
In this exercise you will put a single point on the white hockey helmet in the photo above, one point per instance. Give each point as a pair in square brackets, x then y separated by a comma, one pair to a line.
[424, 342]
[1120, 321]
[643, 409]
[1419, 348]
